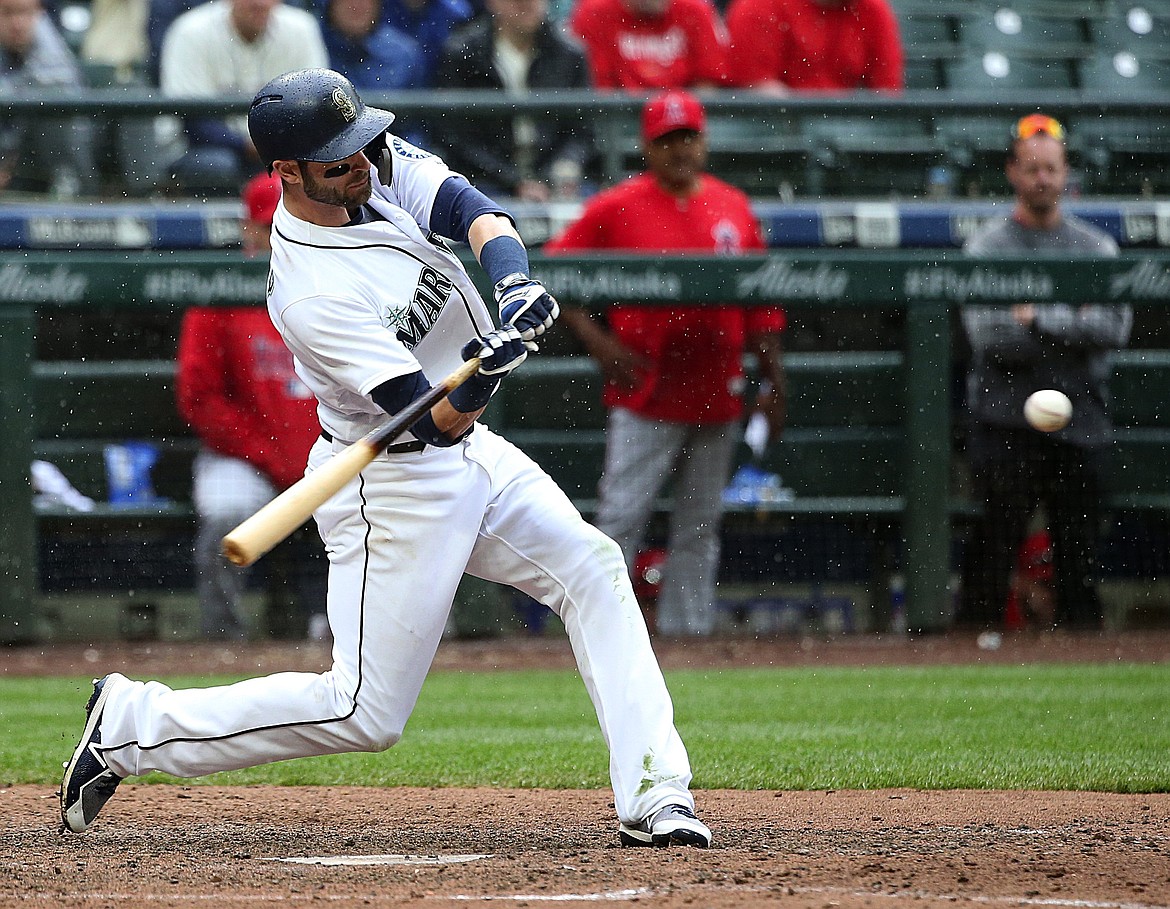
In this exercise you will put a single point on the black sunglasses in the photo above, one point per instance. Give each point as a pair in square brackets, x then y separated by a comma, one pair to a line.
[336, 170]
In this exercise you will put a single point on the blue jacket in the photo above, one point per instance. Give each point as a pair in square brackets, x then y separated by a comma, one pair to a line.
[430, 28]
[387, 59]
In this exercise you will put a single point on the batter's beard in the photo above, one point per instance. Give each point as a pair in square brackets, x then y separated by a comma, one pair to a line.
[346, 196]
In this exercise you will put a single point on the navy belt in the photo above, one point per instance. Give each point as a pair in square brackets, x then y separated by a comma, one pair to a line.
[400, 448]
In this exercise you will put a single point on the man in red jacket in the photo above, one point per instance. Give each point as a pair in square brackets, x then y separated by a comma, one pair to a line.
[785, 46]
[256, 421]
[638, 45]
[674, 376]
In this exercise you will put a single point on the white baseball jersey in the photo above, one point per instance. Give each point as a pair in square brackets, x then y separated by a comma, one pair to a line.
[363, 304]
[359, 305]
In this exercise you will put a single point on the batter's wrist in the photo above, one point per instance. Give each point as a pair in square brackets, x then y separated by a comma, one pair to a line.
[502, 258]
[474, 393]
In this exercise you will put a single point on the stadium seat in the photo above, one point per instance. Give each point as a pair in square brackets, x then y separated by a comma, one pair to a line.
[927, 33]
[923, 74]
[761, 156]
[874, 155]
[990, 72]
[927, 39]
[1124, 74]
[1009, 29]
[1141, 29]
[1057, 9]
[1126, 153]
[904, 8]
[976, 145]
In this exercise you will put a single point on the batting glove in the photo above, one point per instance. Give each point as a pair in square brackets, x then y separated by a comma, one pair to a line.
[526, 304]
[499, 351]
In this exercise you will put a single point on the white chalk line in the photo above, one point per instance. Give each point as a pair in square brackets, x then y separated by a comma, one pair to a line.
[609, 896]
[365, 898]
[606, 896]
[384, 859]
[1055, 902]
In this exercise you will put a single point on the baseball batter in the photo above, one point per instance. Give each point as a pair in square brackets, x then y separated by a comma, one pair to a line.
[374, 306]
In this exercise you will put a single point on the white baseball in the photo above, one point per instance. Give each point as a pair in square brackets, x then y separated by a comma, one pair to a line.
[1048, 410]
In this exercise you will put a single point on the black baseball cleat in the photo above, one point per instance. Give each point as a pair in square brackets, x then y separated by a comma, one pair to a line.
[672, 825]
[88, 782]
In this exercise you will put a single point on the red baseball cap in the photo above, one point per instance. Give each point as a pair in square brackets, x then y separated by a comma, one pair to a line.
[261, 196]
[670, 111]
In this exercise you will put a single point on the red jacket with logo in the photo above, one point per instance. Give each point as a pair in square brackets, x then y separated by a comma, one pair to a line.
[684, 46]
[695, 352]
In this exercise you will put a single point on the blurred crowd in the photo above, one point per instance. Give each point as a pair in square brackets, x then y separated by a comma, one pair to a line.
[229, 48]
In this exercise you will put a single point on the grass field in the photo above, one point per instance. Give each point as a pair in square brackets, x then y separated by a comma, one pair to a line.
[1083, 727]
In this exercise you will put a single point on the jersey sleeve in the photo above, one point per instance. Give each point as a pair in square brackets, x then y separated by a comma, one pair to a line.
[347, 340]
[415, 179]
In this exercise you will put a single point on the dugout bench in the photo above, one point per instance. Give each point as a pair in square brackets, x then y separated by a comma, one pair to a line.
[870, 437]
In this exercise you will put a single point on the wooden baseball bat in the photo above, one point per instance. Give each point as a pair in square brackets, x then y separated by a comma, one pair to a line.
[289, 510]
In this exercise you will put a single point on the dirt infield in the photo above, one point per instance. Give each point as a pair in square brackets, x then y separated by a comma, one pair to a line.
[163, 846]
[178, 846]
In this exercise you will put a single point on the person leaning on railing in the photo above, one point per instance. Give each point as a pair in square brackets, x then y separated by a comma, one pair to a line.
[1015, 351]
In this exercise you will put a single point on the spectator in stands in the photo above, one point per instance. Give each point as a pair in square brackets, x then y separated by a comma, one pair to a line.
[674, 376]
[39, 154]
[370, 53]
[430, 23]
[230, 48]
[115, 51]
[256, 422]
[1019, 349]
[159, 18]
[785, 46]
[639, 45]
[116, 38]
[515, 49]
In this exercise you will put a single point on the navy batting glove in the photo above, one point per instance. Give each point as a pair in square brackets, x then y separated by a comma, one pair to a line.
[526, 304]
[500, 351]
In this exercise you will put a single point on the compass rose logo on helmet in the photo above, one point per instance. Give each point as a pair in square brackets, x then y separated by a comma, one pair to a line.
[344, 104]
[312, 115]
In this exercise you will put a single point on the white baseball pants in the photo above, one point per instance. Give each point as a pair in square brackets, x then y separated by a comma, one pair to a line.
[399, 539]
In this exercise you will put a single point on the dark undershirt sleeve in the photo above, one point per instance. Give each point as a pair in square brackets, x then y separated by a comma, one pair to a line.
[457, 204]
[392, 396]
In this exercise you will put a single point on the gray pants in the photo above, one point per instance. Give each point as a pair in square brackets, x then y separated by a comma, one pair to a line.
[640, 456]
[226, 491]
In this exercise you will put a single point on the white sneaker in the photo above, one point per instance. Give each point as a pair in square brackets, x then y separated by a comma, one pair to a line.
[667, 826]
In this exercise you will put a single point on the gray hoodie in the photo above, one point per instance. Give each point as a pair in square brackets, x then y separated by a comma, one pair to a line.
[1066, 348]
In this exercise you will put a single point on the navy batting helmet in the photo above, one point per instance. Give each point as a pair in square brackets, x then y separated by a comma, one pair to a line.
[312, 115]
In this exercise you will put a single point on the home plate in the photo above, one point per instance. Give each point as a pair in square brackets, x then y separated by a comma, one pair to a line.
[384, 859]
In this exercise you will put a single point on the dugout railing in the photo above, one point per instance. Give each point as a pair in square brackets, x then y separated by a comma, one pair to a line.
[872, 434]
